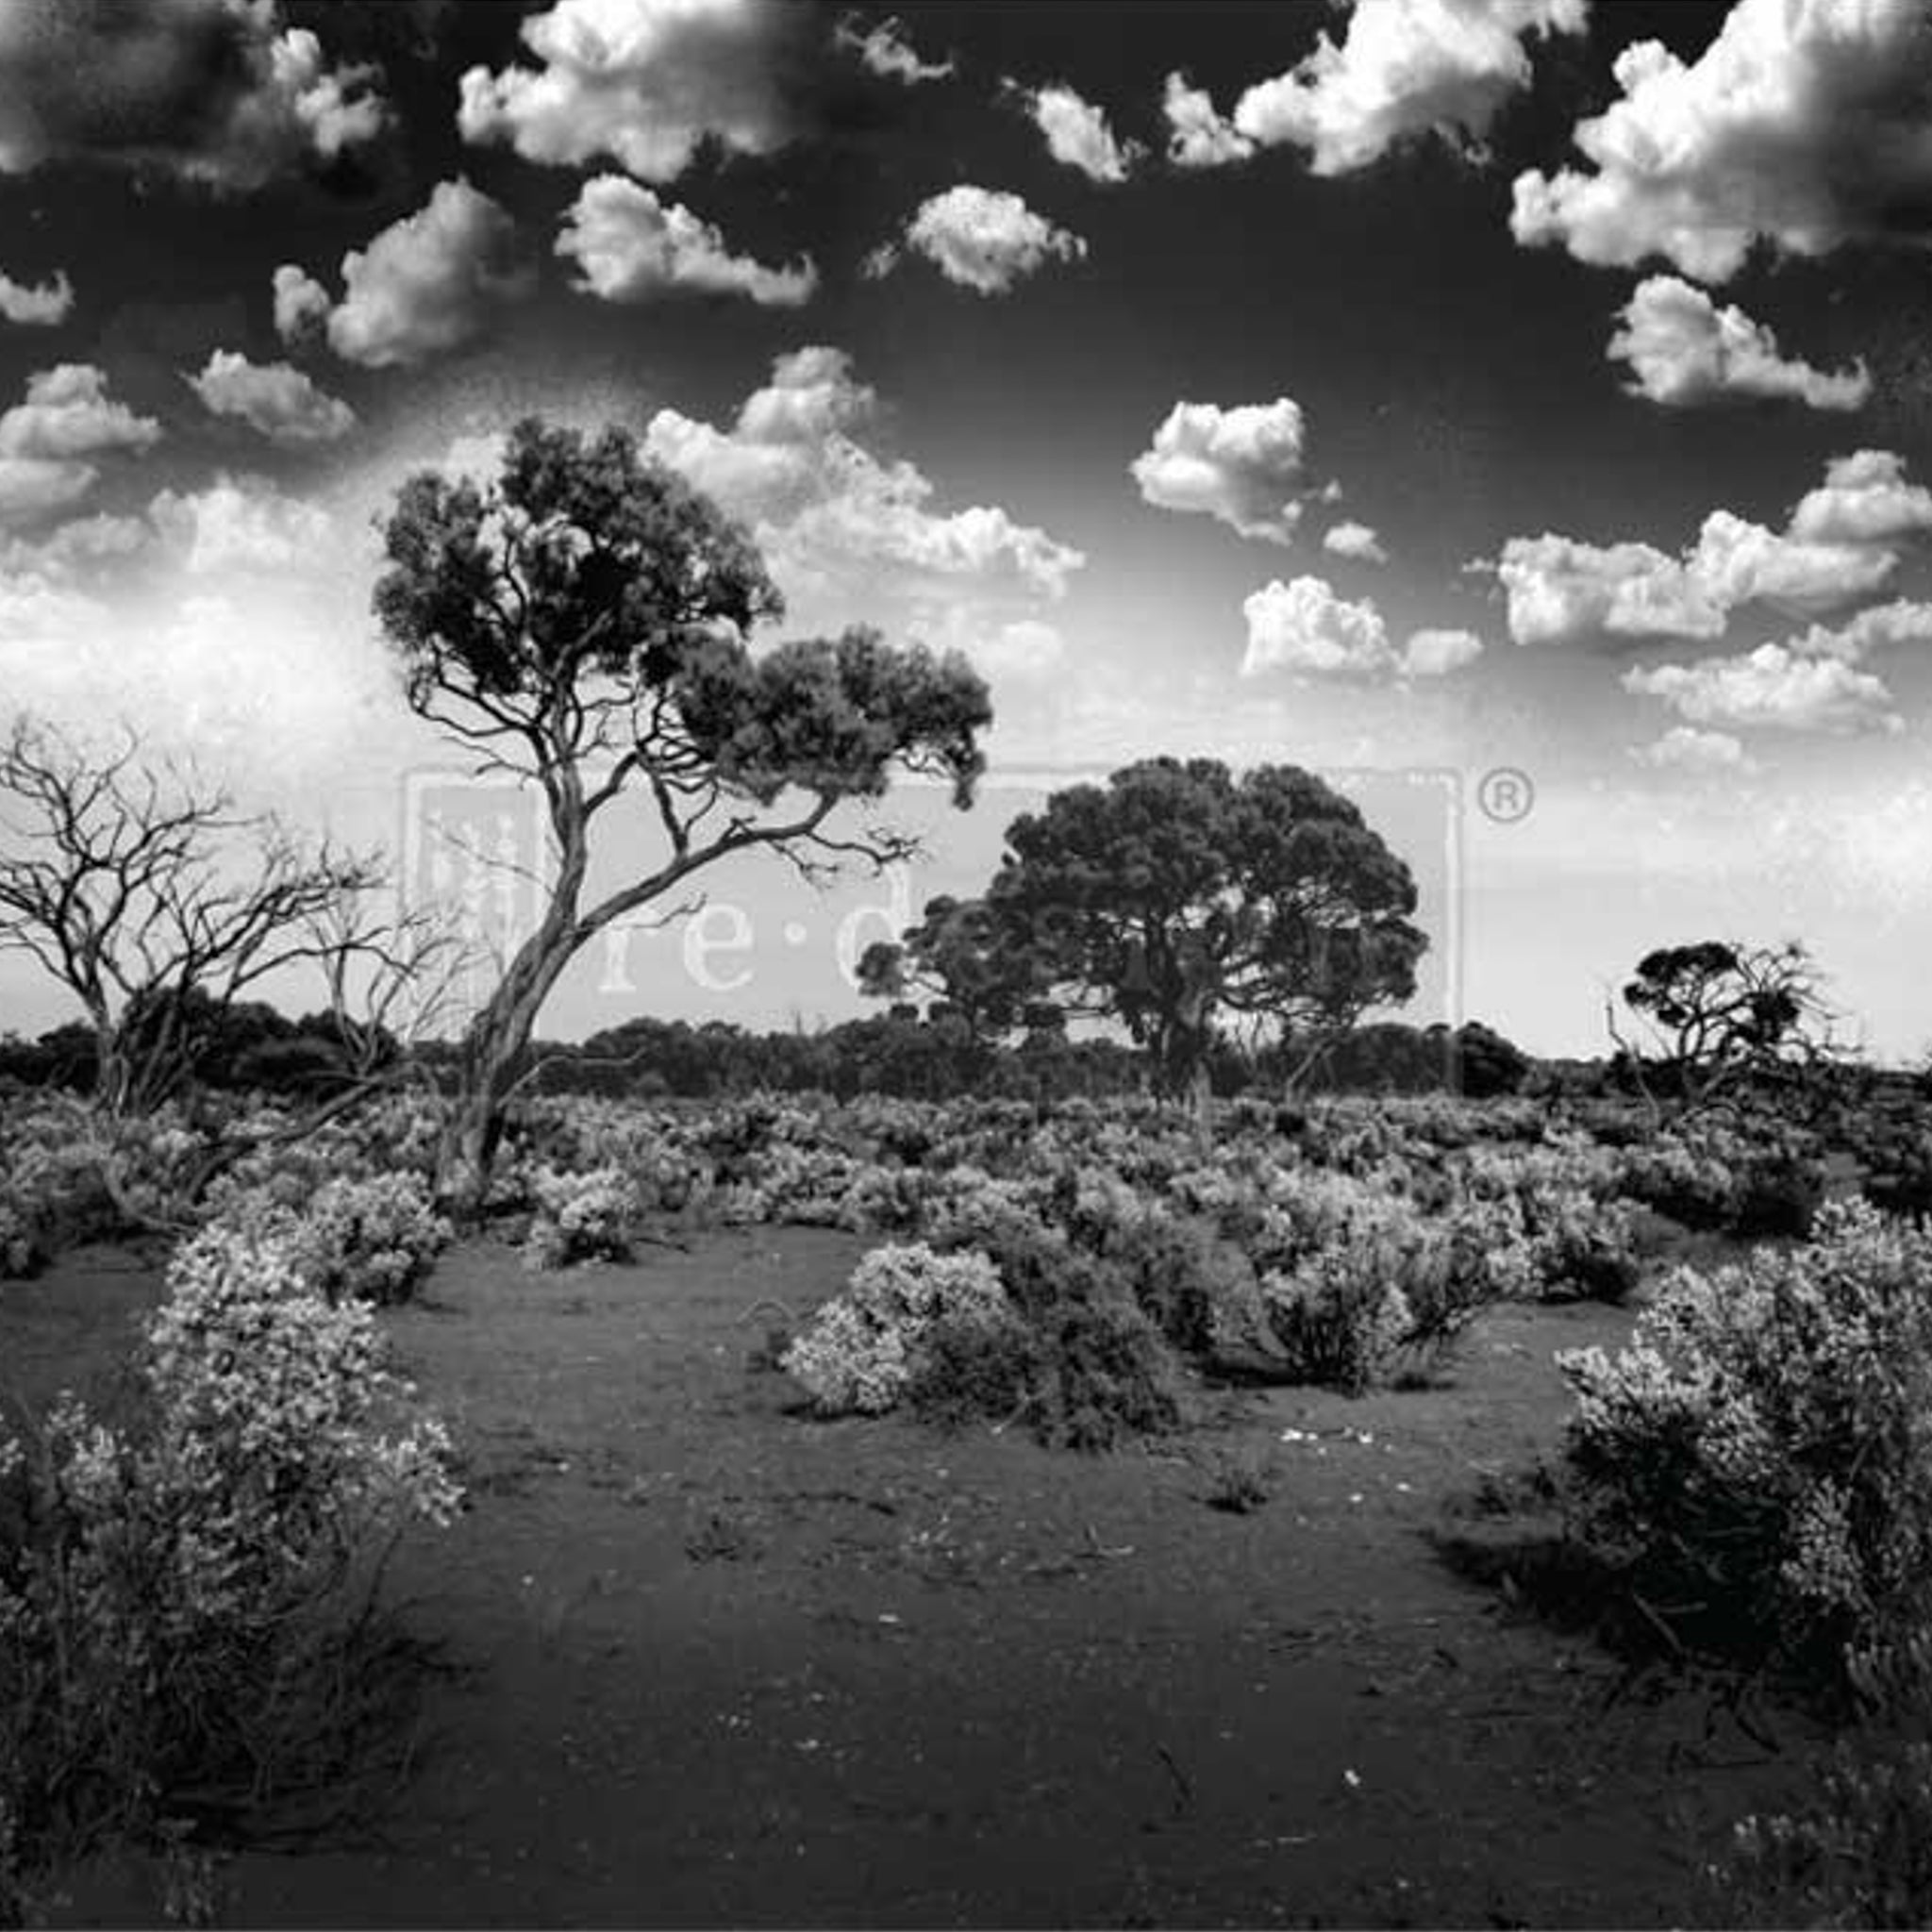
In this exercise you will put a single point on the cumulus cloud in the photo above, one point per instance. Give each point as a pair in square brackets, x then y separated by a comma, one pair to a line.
[302, 304]
[885, 50]
[1356, 541]
[1802, 126]
[647, 82]
[831, 514]
[981, 237]
[47, 440]
[1197, 134]
[1242, 466]
[427, 283]
[1684, 748]
[239, 524]
[67, 413]
[39, 305]
[1436, 652]
[1303, 627]
[1077, 133]
[274, 398]
[1684, 350]
[213, 91]
[630, 246]
[1836, 548]
[1864, 499]
[1882, 627]
[1404, 69]
[1772, 688]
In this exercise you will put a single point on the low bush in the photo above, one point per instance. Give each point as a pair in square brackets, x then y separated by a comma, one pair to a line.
[1762, 1450]
[183, 1586]
[580, 1217]
[863, 1350]
[1859, 1855]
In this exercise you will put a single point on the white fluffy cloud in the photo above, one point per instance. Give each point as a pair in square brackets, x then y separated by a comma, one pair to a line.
[47, 440]
[1356, 541]
[981, 237]
[1305, 629]
[1197, 135]
[1242, 466]
[212, 90]
[68, 413]
[1404, 69]
[1802, 124]
[1684, 748]
[274, 398]
[1436, 652]
[302, 304]
[238, 524]
[830, 513]
[1864, 499]
[39, 305]
[885, 50]
[646, 82]
[1772, 688]
[1883, 626]
[1684, 350]
[427, 283]
[1077, 133]
[630, 246]
[1837, 546]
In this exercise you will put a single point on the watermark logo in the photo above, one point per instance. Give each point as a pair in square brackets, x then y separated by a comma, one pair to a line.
[750, 941]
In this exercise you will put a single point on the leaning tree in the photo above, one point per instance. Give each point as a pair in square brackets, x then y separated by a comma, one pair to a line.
[580, 621]
[1176, 898]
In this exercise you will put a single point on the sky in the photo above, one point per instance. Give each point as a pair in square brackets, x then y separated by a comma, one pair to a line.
[1416, 391]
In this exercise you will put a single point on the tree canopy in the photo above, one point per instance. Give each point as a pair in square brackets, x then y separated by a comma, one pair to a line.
[583, 621]
[1174, 897]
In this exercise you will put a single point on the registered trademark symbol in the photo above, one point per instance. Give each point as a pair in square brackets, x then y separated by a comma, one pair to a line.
[1505, 795]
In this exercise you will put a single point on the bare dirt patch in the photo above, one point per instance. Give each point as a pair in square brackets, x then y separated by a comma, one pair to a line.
[725, 1664]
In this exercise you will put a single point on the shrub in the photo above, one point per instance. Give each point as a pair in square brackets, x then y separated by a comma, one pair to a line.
[371, 1239]
[580, 1217]
[1106, 1373]
[861, 1352]
[176, 1599]
[1339, 1318]
[1763, 1448]
[1778, 1193]
[1860, 1854]
[19, 1251]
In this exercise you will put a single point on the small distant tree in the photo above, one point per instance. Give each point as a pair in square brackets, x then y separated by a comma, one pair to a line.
[1717, 1012]
[581, 620]
[141, 891]
[1177, 898]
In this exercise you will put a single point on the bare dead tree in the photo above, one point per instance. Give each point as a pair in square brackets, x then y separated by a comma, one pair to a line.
[139, 886]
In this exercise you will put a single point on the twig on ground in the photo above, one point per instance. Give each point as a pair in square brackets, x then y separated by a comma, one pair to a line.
[766, 1301]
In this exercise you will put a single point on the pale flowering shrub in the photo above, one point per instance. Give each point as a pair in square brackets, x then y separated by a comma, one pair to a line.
[177, 1597]
[371, 1239]
[19, 1250]
[1764, 1444]
[580, 1217]
[862, 1351]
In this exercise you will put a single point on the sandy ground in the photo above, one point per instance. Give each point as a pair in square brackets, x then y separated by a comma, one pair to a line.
[727, 1665]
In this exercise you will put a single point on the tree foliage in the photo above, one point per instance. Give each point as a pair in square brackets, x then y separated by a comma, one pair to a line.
[1174, 899]
[582, 621]
[1718, 1011]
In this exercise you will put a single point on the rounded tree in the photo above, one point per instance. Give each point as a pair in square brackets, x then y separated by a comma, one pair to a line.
[1176, 897]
